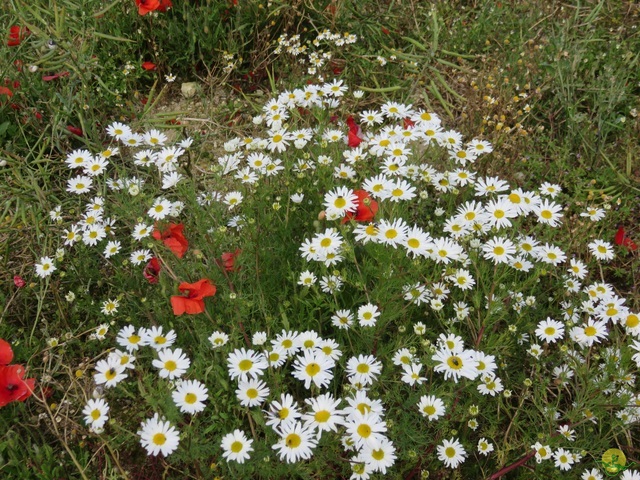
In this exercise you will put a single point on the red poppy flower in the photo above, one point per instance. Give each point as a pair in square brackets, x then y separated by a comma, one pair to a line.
[16, 34]
[75, 130]
[164, 5]
[55, 76]
[193, 303]
[367, 208]
[228, 260]
[6, 354]
[146, 6]
[18, 281]
[622, 239]
[355, 133]
[173, 238]
[149, 65]
[12, 385]
[6, 91]
[152, 270]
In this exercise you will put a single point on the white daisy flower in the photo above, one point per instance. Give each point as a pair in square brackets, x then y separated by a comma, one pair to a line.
[363, 369]
[155, 338]
[431, 407]
[452, 453]
[109, 372]
[160, 209]
[45, 267]
[189, 396]
[218, 339]
[158, 436]
[236, 446]
[485, 447]
[252, 392]
[171, 363]
[243, 364]
[96, 413]
[140, 256]
[80, 184]
[312, 366]
[601, 250]
[296, 442]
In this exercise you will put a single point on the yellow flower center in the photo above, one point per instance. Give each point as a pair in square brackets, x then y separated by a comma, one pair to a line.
[159, 439]
[245, 365]
[312, 369]
[632, 321]
[322, 416]
[252, 393]
[190, 398]
[293, 440]
[236, 447]
[378, 454]
[364, 430]
[455, 362]
[340, 202]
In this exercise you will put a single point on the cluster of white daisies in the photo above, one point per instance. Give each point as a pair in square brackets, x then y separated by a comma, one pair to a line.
[489, 227]
[313, 360]
[310, 54]
[156, 434]
[486, 228]
[357, 418]
[95, 227]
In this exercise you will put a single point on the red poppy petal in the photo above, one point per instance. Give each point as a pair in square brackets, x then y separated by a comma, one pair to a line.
[177, 247]
[193, 307]
[12, 386]
[619, 236]
[75, 130]
[6, 353]
[354, 139]
[178, 304]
